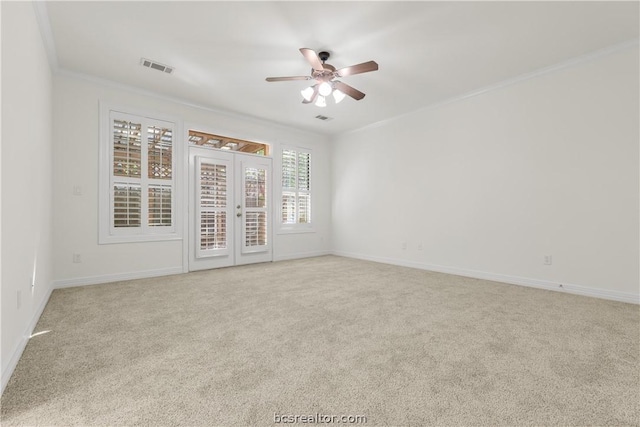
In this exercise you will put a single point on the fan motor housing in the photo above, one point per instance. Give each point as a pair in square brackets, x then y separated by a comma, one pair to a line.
[327, 73]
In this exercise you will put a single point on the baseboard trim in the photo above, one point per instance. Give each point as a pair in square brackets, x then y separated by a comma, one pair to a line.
[496, 277]
[118, 277]
[301, 255]
[17, 353]
[108, 278]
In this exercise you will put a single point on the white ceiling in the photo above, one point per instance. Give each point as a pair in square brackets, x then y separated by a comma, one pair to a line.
[428, 52]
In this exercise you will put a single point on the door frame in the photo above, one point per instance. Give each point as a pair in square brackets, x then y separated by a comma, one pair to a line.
[186, 176]
[242, 256]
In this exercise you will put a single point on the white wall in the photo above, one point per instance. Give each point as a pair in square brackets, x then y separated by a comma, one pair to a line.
[76, 135]
[489, 184]
[26, 179]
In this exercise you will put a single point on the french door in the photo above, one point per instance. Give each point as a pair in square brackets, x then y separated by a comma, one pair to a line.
[229, 208]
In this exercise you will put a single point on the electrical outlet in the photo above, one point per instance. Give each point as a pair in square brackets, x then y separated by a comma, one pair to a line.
[77, 258]
[404, 246]
[77, 190]
[548, 260]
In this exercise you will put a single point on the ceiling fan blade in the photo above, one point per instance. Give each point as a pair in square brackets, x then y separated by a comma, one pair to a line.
[348, 90]
[313, 97]
[365, 67]
[312, 58]
[285, 79]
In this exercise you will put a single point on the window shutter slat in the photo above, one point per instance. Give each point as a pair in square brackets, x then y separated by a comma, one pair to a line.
[127, 143]
[213, 230]
[296, 187]
[304, 208]
[213, 206]
[160, 145]
[288, 208]
[303, 171]
[288, 169]
[126, 202]
[255, 229]
[141, 181]
[160, 205]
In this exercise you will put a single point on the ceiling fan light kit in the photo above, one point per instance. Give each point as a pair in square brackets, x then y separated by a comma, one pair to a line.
[307, 93]
[338, 95]
[325, 74]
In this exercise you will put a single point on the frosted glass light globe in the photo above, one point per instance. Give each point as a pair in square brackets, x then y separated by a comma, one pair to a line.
[321, 102]
[324, 89]
[338, 95]
[307, 93]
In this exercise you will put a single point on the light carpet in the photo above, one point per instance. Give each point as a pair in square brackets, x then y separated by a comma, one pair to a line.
[330, 336]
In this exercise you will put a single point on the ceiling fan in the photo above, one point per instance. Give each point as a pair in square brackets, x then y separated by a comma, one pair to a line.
[325, 74]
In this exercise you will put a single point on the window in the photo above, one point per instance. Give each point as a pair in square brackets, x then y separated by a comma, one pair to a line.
[203, 139]
[137, 192]
[296, 189]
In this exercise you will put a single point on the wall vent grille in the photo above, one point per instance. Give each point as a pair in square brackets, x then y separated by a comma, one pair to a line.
[156, 65]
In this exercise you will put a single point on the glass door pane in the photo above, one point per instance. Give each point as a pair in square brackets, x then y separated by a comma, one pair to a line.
[213, 207]
[255, 209]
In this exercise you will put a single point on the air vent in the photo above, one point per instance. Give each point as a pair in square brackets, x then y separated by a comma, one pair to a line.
[156, 65]
[323, 118]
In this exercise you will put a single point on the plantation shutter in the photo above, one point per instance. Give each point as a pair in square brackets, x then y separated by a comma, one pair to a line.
[296, 187]
[304, 194]
[289, 187]
[160, 175]
[142, 185]
[254, 192]
[214, 207]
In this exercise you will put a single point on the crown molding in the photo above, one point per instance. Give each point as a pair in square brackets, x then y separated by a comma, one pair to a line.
[44, 24]
[569, 63]
[185, 103]
[42, 16]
